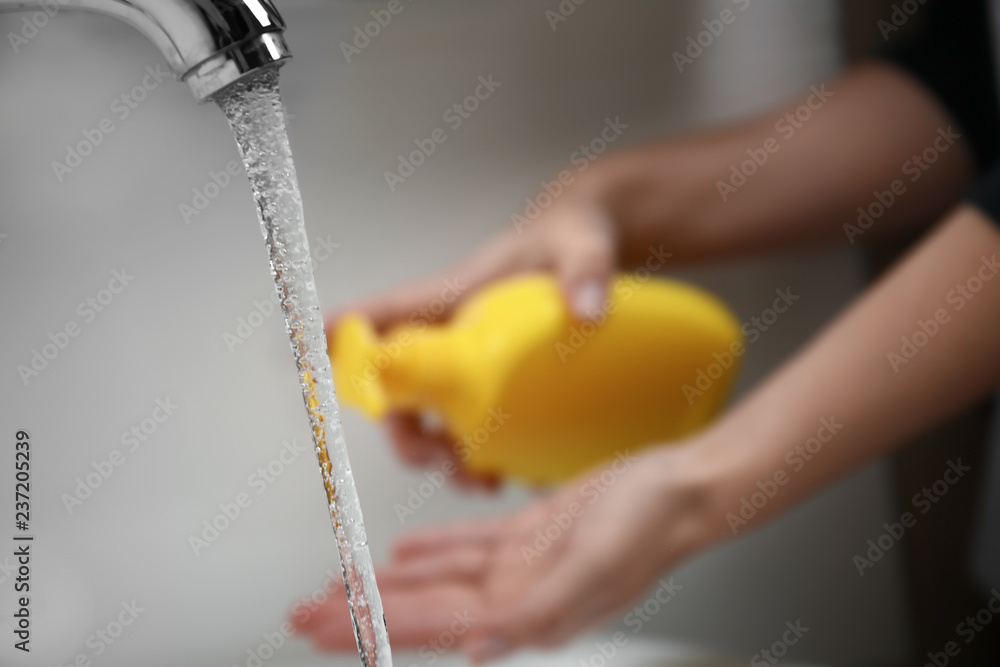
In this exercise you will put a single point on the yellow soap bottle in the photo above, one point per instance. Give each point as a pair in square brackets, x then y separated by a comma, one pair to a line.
[531, 393]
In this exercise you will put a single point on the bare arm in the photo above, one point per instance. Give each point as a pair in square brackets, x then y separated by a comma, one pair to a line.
[859, 136]
[944, 299]
[855, 136]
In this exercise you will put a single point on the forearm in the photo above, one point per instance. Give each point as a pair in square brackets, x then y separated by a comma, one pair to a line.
[819, 171]
[858, 389]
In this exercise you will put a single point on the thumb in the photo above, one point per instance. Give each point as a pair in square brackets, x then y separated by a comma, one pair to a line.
[584, 268]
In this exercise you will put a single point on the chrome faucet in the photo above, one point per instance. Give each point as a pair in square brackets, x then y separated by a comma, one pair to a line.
[208, 43]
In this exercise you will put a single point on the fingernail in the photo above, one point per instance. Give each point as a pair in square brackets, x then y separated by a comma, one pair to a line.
[588, 300]
[489, 648]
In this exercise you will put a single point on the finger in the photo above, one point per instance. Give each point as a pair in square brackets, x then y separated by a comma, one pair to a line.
[414, 618]
[414, 444]
[584, 266]
[331, 615]
[480, 532]
[306, 617]
[436, 297]
[463, 563]
[421, 301]
[397, 305]
[474, 481]
[421, 447]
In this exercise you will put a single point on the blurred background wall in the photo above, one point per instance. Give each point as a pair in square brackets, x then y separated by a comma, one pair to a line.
[164, 336]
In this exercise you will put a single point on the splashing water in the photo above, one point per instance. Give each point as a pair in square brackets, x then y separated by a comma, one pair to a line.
[257, 117]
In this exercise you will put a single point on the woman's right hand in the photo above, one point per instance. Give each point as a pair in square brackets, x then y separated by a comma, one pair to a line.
[616, 528]
[573, 238]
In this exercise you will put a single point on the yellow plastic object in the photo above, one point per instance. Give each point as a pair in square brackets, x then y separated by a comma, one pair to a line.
[529, 392]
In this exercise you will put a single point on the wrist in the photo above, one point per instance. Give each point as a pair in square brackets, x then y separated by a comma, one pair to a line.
[593, 186]
[646, 193]
[694, 485]
[742, 462]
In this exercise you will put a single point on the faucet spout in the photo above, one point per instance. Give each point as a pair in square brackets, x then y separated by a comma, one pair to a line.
[210, 44]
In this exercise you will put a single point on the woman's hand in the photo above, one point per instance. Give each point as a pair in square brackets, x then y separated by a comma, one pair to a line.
[562, 565]
[572, 238]
[667, 193]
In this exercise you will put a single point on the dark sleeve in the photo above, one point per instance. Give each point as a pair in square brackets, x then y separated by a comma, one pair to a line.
[953, 57]
[985, 194]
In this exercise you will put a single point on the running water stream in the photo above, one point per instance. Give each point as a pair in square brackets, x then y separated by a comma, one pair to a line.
[256, 114]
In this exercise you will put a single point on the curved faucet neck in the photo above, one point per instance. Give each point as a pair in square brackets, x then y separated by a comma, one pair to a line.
[208, 43]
